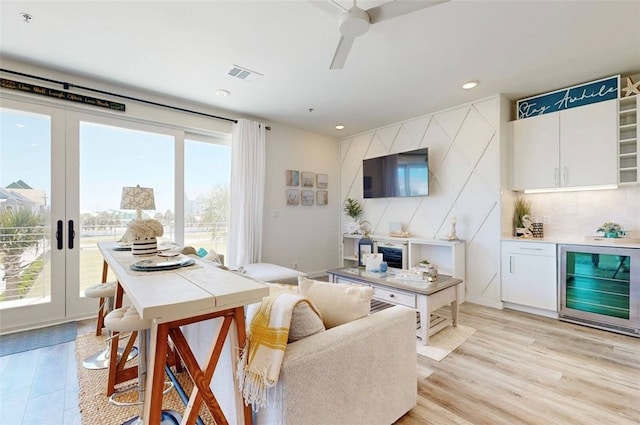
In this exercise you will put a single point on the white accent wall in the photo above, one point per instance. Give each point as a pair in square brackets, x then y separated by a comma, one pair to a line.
[464, 159]
[300, 234]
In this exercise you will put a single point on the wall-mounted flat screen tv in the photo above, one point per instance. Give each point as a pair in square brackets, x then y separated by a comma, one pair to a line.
[397, 175]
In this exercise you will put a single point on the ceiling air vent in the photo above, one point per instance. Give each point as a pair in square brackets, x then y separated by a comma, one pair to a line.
[243, 73]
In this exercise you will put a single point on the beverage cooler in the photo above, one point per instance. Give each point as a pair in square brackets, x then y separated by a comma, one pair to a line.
[599, 286]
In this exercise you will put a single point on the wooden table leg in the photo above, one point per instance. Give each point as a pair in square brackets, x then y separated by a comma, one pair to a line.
[454, 312]
[425, 318]
[155, 372]
[242, 337]
[201, 377]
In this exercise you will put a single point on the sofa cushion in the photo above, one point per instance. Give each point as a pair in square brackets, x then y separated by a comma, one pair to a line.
[337, 303]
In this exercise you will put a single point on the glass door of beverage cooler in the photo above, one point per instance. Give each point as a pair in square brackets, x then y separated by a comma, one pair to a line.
[599, 286]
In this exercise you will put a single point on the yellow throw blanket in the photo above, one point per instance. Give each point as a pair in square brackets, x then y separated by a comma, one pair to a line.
[261, 357]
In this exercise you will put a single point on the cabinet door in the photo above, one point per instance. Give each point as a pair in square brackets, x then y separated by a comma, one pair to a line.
[588, 151]
[529, 280]
[535, 143]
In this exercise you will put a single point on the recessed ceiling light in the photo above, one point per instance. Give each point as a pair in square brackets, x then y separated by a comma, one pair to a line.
[470, 84]
[339, 127]
[222, 93]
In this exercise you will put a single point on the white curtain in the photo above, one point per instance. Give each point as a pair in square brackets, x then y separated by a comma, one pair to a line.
[247, 193]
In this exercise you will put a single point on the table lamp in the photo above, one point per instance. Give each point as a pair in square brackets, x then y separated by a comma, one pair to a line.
[142, 233]
[137, 198]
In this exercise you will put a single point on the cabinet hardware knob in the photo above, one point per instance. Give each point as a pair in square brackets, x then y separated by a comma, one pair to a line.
[391, 295]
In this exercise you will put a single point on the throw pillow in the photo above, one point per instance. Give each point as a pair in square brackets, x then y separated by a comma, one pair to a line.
[305, 318]
[337, 303]
[305, 321]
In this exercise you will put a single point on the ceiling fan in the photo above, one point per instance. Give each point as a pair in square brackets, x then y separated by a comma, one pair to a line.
[355, 22]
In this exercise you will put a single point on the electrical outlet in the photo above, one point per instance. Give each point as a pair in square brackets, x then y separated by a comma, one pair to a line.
[295, 265]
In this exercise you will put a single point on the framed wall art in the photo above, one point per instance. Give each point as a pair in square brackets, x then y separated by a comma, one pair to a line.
[307, 197]
[292, 177]
[293, 196]
[322, 197]
[322, 181]
[307, 179]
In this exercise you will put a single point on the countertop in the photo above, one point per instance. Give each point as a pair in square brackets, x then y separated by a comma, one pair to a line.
[587, 240]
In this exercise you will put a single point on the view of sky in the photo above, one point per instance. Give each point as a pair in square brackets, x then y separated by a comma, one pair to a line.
[110, 158]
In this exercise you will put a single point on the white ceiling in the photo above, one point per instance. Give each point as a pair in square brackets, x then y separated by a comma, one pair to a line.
[402, 68]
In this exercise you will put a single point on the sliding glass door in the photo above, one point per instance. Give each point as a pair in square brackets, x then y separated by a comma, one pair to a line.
[61, 179]
[33, 226]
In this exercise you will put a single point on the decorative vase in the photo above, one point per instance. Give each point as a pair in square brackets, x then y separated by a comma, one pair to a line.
[144, 246]
[611, 234]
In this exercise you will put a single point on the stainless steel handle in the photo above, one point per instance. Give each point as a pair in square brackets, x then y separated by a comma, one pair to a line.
[530, 249]
[511, 261]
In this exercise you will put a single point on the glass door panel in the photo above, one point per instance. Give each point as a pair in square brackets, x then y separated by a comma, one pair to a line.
[598, 283]
[31, 205]
[207, 179]
[110, 157]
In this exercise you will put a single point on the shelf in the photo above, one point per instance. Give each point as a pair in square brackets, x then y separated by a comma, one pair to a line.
[628, 139]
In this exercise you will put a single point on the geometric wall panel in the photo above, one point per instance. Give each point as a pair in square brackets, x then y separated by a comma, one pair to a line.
[464, 160]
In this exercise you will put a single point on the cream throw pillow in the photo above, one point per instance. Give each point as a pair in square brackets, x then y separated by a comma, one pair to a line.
[337, 303]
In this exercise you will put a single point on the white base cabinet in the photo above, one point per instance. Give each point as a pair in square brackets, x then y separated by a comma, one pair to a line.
[529, 274]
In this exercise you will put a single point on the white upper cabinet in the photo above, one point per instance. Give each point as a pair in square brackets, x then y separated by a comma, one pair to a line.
[571, 148]
[536, 151]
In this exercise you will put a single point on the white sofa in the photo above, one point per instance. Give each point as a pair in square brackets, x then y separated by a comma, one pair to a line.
[361, 372]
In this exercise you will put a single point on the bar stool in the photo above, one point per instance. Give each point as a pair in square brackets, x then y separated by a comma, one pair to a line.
[105, 292]
[127, 319]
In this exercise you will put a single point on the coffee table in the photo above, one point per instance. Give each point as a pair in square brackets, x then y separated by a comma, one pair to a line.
[423, 296]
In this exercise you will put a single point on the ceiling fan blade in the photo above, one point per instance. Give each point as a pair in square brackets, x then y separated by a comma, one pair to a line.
[333, 9]
[340, 57]
[396, 8]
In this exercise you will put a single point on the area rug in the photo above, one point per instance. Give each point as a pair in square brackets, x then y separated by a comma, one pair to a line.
[444, 342]
[37, 338]
[94, 404]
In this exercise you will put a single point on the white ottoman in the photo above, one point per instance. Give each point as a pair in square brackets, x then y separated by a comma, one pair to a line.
[268, 272]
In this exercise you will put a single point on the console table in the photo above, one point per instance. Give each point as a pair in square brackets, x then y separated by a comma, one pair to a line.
[423, 296]
[172, 299]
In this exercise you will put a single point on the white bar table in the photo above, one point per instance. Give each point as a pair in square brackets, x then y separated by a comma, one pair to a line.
[180, 297]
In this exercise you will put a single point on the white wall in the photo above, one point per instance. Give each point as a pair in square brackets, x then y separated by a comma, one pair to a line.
[306, 235]
[464, 158]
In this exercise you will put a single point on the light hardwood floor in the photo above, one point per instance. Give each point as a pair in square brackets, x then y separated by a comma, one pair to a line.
[519, 368]
[516, 368]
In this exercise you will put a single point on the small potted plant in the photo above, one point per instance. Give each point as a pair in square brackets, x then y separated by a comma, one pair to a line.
[353, 209]
[610, 230]
[521, 208]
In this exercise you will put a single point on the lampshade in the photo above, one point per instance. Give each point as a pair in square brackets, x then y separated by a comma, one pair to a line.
[137, 198]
